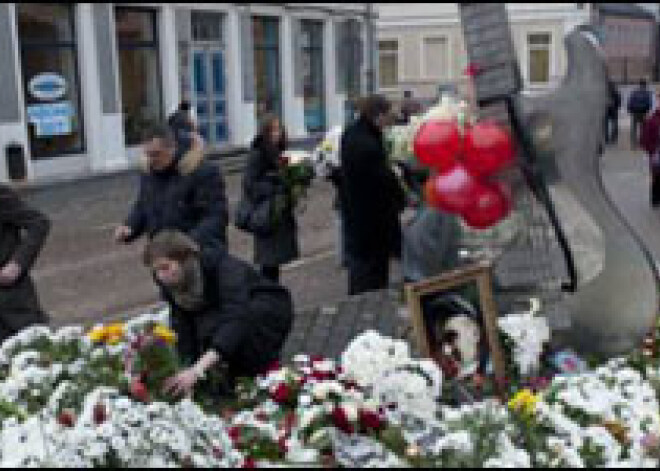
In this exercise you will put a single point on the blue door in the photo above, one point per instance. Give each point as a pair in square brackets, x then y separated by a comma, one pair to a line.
[210, 94]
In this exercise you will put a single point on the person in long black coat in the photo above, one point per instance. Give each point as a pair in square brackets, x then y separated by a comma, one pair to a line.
[223, 312]
[372, 199]
[263, 181]
[23, 232]
[178, 190]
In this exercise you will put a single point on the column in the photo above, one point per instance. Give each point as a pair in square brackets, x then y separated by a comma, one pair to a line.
[169, 59]
[12, 124]
[100, 88]
[334, 98]
[240, 83]
[293, 106]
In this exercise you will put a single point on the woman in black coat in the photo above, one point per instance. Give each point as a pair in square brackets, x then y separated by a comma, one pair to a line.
[222, 311]
[23, 232]
[262, 181]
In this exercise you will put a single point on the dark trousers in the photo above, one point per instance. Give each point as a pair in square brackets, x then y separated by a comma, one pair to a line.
[272, 273]
[635, 129]
[655, 189]
[366, 275]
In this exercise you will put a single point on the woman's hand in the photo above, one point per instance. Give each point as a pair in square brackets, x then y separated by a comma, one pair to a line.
[183, 383]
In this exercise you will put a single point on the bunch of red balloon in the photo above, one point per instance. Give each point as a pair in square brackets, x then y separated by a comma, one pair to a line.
[465, 163]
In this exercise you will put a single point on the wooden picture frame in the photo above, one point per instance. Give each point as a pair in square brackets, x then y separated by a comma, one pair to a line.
[479, 273]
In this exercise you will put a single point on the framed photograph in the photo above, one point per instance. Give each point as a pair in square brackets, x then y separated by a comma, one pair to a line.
[454, 319]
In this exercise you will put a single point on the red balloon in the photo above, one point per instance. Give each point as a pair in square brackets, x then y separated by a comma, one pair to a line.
[437, 144]
[488, 149]
[490, 206]
[453, 191]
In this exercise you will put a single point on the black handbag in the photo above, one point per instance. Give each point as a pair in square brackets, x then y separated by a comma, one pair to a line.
[256, 218]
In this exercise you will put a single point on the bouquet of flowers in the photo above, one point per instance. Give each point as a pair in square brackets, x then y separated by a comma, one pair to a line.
[297, 171]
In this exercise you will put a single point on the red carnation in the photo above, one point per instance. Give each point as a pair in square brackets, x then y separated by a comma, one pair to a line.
[234, 434]
[100, 414]
[281, 394]
[249, 463]
[67, 418]
[369, 420]
[340, 420]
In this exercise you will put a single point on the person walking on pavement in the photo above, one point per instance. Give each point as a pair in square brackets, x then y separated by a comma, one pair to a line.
[650, 141]
[612, 116]
[639, 104]
[225, 315]
[372, 199]
[23, 232]
[178, 190]
[262, 181]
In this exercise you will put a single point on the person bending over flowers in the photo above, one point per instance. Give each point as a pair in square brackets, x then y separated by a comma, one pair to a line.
[223, 312]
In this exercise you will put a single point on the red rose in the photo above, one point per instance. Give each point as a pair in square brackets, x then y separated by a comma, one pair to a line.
[139, 390]
[282, 394]
[340, 420]
[249, 463]
[67, 418]
[369, 420]
[234, 434]
[275, 366]
[100, 414]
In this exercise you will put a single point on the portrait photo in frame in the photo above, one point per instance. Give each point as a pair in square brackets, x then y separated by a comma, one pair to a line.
[454, 320]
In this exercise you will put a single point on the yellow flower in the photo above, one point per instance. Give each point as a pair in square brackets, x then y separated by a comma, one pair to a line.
[114, 339]
[524, 401]
[115, 330]
[97, 334]
[164, 333]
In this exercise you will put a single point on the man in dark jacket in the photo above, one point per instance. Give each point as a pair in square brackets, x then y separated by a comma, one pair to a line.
[23, 231]
[178, 190]
[639, 104]
[371, 199]
[181, 121]
[222, 311]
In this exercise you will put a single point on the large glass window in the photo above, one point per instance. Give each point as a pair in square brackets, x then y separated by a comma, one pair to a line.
[312, 65]
[539, 57]
[388, 63]
[268, 86]
[47, 39]
[139, 67]
[435, 59]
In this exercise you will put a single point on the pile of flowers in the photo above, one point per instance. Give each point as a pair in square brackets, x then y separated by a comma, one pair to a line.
[69, 399]
[297, 170]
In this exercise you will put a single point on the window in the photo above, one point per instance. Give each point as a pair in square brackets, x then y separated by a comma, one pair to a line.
[539, 57]
[388, 63]
[268, 84]
[50, 78]
[312, 70]
[435, 61]
[139, 68]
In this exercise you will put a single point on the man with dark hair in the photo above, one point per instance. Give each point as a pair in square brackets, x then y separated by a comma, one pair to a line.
[23, 232]
[639, 104]
[409, 107]
[222, 310]
[371, 198]
[181, 121]
[178, 190]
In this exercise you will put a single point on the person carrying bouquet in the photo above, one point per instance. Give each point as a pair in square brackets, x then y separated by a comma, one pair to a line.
[223, 312]
[264, 180]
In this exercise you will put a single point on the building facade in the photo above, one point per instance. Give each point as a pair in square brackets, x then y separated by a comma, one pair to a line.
[81, 81]
[630, 40]
[421, 48]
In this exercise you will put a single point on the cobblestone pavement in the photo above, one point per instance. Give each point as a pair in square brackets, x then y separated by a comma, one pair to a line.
[84, 277]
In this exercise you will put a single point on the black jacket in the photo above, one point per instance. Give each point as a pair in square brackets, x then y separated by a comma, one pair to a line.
[245, 318]
[371, 196]
[262, 181]
[190, 197]
[23, 232]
